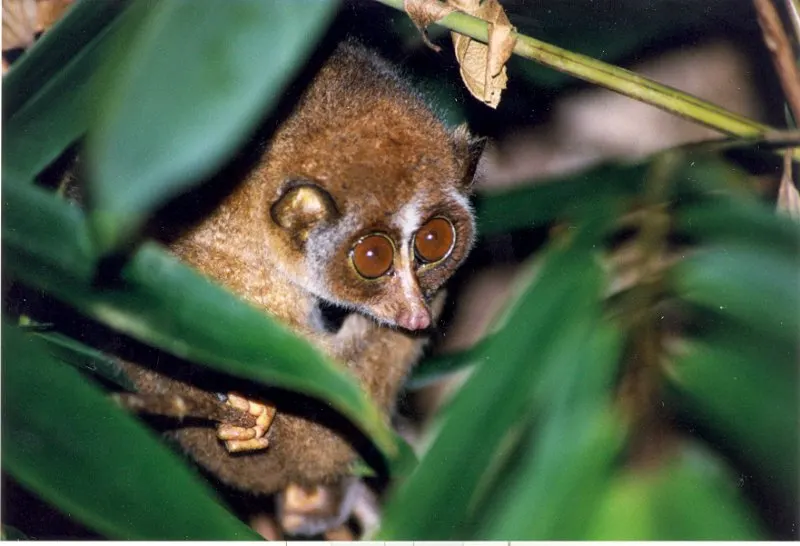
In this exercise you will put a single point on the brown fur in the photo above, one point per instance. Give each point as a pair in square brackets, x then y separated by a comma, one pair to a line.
[369, 146]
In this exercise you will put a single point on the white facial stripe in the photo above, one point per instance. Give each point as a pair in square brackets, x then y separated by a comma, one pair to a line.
[408, 219]
[407, 280]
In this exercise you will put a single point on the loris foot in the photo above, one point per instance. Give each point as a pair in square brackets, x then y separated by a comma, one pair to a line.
[313, 510]
[238, 439]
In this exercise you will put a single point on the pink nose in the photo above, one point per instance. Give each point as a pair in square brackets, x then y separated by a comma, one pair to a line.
[414, 319]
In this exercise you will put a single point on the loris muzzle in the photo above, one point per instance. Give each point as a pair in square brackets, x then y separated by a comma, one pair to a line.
[358, 202]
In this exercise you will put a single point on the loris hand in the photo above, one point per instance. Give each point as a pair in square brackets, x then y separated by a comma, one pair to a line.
[239, 439]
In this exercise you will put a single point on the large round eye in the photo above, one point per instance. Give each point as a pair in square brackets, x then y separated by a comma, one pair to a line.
[434, 240]
[372, 256]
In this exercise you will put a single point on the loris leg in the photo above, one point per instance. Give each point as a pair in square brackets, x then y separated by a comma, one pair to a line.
[238, 439]
[313, 510]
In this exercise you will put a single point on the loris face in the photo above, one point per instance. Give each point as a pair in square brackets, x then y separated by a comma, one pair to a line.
[379, 247]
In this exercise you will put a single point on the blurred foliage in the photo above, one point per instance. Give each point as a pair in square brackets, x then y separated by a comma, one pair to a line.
[647, 363]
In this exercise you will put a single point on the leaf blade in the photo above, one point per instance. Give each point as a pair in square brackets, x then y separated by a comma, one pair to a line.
[449, 479]
[55, 424]
[158, 99]
[159, 302]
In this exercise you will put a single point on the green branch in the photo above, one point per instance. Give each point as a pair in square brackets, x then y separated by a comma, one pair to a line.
[612, 77]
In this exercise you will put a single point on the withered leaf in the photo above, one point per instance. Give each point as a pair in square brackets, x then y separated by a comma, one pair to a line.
[788, 198]
[424, 13]
[483, 66]
[23, 19]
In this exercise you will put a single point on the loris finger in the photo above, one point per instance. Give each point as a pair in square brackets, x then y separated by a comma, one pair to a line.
[237, 446]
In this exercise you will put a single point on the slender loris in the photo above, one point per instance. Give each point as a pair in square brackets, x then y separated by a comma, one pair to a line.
[359, 202]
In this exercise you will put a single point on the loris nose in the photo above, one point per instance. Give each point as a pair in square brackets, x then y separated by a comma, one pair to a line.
[414, 313]
[414, 319]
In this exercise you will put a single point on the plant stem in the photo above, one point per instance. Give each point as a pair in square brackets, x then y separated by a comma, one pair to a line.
[611, 77]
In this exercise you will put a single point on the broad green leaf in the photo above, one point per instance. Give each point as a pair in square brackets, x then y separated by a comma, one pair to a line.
[68, 442]
[751, 404]
[755, 286]
[741, 221]
[189, 90]
[56, 111]
[554, 488]
[434, 503]
[689, 498]
[12, 533]
[543, 202]
[400, 466]
[83, 22]
[158, 301]
[439, 367]
[405, 461]
[576, 195]
[84, 357]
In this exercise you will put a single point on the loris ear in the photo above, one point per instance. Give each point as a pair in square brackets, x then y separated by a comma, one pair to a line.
[303, 206]
[469, 150]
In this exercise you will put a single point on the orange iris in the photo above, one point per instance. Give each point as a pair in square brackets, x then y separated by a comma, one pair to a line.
[372, 256]
[434, 240]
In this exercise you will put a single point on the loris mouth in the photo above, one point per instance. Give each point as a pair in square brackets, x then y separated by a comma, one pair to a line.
[332, 316]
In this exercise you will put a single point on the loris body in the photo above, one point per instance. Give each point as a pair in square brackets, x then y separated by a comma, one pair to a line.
[358, 201]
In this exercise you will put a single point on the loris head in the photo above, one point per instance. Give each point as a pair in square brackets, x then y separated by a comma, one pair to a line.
[382, 247]
[368, 203]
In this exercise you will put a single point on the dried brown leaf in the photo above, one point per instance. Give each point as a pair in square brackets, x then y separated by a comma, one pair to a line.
[19, 23]
[50, 11]
[788, 198]
[483, 66]
[426, 12]
[24, 19]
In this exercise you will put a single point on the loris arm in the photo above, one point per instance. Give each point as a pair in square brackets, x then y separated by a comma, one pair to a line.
[381, 358]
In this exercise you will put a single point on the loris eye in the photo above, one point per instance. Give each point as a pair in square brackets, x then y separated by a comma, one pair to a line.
[434, 240]
[372, 256]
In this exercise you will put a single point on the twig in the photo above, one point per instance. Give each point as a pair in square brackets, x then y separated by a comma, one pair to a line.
[782, 57]
[611, 77]
[794, 16]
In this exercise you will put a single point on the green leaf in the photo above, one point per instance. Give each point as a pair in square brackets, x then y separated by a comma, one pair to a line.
[63, 439]
[741, 221]
[440, 367]
[362, 469]
[406, 460]
[189, 90]
[543, 202]
[80, 26]
[12, 533]
[571, 454]
[159, 300]
[689, 498]
[84, 357]
[50, 95]
[401, 466]
[696, 174]
[751, 404]
[479, 426]
[757, 287]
